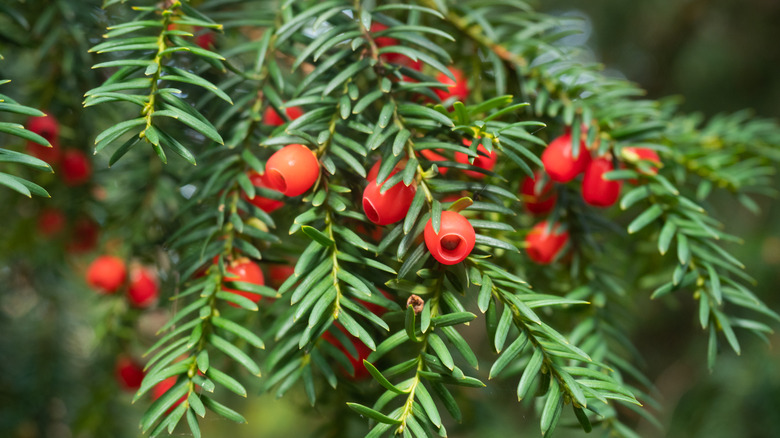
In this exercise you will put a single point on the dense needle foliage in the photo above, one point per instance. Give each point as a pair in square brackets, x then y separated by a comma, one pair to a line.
[183, 103]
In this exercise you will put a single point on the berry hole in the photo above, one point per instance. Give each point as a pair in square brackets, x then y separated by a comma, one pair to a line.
[371, 213]
[277, 181]
[450, 242]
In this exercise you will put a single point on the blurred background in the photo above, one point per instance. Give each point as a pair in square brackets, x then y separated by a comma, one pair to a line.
[722, 55]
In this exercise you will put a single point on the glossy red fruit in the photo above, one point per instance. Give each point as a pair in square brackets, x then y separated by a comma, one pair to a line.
[84, 237]
[278, 274]
[247, 271]
[265, 204]
[455, 240]
[559, 161]
[596, 190]
[360, 371]
[635, 155]
[433, 155]
[129, 373]
[459, 87]
[51, 221]
[76, 168]
[389, 207]
[542, 246]
[382, 41]
[486, 160]
[106, 274]
[538, 198]
[292, 170]
[271, 117]
[143, 289]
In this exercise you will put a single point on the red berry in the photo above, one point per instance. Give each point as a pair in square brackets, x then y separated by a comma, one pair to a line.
[143, 288]
[459, 87]
[51, 221]
[106, 274]
[128, 373]
[596, 190]
[401, 59]
[45, 126]
[204, 38]
[373, 173]
[272, 118]
[486, 160]
[559, 161]
[247, 271]
[635, 155]
[536, 199]
[389, 207]
[278, 274]
[543, 246]
[360, 371]
[85, 236]
[161, 388]
[265, 204]
[292, 170]
[455, 240]
[432, 155]
[382, 41]
[48, 128]
[76, 168]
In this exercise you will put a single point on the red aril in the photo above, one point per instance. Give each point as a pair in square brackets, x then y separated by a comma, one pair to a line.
[559, 161]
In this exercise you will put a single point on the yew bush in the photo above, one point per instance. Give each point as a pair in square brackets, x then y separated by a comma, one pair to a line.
[443, 195]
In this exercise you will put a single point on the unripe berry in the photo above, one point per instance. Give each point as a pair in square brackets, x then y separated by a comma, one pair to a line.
[538, 200]
[455, 240]
[143, 289]
[389, 207]
[76, 168]
[48, 128]
[542, 246]
[459, 87]
[486, 160]
[596, 190]
[272, 118]
[360, 371]
[106, 274]
[559, 161]
[128, 373]
[292, 170]
[51, 221]
[265, 204]
[246, 271]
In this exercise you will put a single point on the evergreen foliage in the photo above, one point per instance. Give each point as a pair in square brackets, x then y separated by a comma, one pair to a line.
[202, 79]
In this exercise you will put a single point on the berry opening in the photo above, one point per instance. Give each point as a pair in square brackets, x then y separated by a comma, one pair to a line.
[450, 242]
[371, 212]
[277, 180]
